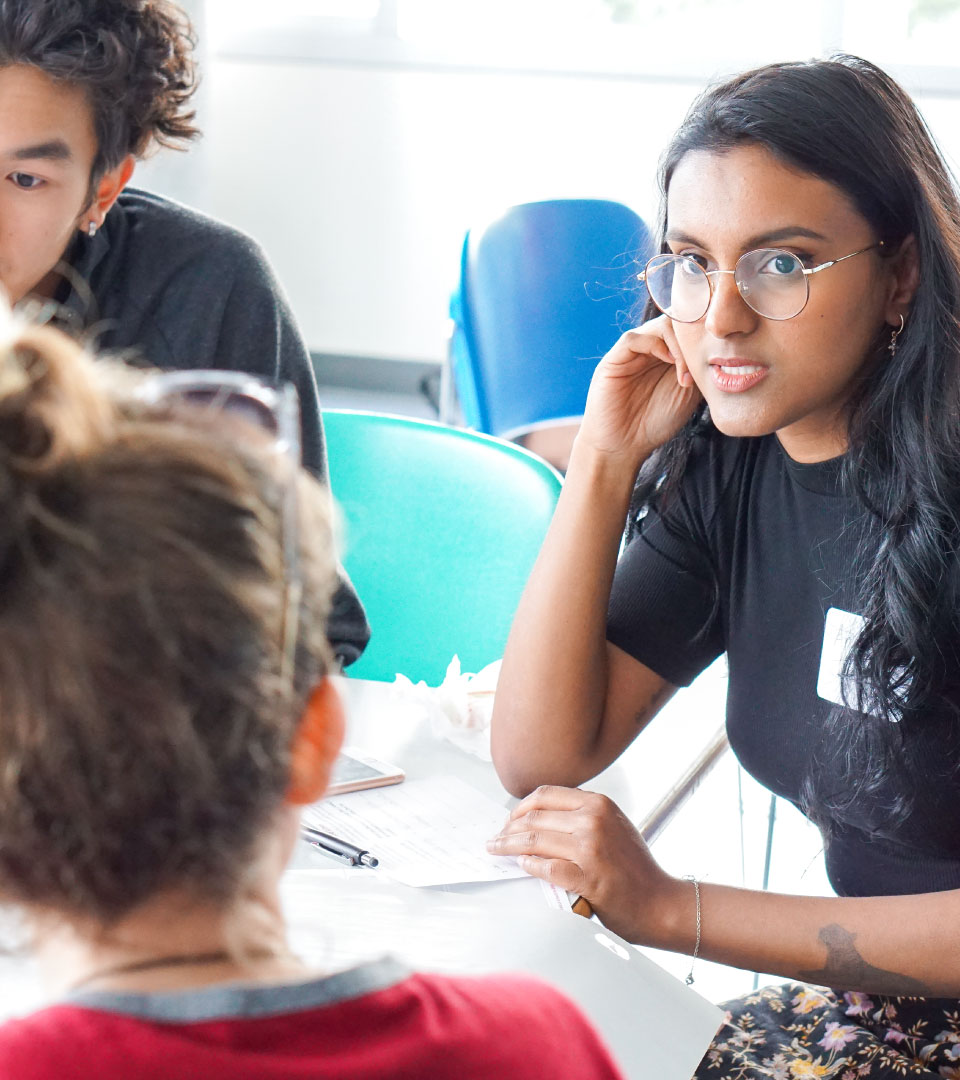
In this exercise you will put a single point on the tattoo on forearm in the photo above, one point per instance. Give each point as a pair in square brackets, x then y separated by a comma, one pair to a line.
[657, 698]
[846, 968]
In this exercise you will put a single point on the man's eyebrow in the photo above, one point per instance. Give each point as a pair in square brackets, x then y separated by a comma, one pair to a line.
[51, 150]
[775, 236]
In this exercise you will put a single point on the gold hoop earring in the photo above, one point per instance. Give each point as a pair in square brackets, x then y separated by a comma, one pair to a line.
[894, 334]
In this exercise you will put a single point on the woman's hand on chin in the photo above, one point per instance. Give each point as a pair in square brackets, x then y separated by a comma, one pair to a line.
[641, 394]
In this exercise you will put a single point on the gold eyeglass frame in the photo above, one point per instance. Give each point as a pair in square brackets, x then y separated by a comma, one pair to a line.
[709, 274]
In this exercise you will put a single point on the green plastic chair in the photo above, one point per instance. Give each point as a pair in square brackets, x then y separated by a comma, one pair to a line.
[441, 529]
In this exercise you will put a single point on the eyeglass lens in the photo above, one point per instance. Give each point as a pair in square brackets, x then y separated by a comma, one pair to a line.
[249, 408]
[770, 281]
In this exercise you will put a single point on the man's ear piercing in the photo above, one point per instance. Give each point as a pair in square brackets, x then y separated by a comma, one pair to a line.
[92, 229]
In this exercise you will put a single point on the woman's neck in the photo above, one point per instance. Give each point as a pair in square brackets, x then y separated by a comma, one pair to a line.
[808, 447]
[169, 943]
[176, 941]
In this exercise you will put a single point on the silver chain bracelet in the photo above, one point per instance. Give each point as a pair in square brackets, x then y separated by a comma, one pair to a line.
[696, 948]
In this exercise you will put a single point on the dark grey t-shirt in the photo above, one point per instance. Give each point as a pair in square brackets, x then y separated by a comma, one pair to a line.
[165, 284]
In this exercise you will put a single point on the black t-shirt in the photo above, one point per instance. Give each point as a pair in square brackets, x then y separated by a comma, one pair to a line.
[163, 284]
[757, 556]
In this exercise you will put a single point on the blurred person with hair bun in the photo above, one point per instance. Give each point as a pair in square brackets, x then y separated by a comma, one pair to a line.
[163, 719]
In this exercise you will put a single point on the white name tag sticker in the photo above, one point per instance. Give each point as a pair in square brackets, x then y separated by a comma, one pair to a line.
[840, 632]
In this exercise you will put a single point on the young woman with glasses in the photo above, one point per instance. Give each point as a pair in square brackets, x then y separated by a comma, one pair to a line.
[783, 439]
[167, 573]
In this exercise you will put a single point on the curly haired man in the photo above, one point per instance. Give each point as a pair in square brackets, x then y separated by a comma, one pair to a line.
[88, 87]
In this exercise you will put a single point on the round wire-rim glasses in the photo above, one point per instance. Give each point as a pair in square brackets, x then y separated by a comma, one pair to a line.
[773, 282]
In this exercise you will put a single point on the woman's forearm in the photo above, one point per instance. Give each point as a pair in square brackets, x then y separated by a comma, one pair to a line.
[583, 842]
[551, 690]
[907, 945]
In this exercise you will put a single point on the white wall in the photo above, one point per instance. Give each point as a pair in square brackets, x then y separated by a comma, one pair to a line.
[360, 182]
[186, 175]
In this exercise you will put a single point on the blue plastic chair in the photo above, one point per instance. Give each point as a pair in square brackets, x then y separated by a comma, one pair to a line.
[544, 291]
[442, 527]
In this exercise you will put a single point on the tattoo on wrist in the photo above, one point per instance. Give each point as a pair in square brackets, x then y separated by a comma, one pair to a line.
[845, 968]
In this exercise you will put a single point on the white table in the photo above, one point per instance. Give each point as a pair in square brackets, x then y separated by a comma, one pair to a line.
[704, 838]
[480, 928]
[389, 722]
[493, 925]
[384, 719]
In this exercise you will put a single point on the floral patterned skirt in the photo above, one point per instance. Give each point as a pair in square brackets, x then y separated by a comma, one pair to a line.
[794, 1031]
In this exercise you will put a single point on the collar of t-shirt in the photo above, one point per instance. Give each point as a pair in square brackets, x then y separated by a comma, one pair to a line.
[820, 477]
[239, 1000]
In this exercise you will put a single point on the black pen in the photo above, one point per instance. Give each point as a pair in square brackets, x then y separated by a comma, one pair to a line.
[332, 845]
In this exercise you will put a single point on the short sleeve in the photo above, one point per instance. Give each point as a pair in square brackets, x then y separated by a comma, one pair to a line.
[664, 605]
[256, 333]
[178, 290]
[259, 333]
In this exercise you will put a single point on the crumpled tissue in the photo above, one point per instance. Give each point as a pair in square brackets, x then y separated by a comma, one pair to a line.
[460, 707]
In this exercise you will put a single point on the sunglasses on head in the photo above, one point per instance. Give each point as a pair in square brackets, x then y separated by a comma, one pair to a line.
[273, 410]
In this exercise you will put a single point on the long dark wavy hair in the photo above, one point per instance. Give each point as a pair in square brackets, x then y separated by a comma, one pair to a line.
[846, 121]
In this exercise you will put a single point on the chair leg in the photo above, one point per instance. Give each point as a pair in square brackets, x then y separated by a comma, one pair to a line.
[662, 814]
[448, 407]
[767, 858]
[771, 821]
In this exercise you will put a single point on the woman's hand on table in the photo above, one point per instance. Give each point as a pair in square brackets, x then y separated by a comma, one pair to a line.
[582, 842]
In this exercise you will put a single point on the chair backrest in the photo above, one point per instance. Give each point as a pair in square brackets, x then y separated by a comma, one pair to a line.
[544, 292]
[442, 528]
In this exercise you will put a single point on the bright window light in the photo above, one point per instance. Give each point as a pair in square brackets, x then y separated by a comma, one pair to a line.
[690, 39]
[690, 20]
[903, 31]
[279, 10]
[231, 17]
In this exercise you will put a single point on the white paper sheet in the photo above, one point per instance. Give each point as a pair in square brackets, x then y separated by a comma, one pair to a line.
[557, 898]
[424, 832]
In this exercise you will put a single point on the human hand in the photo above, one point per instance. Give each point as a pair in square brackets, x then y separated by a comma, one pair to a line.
[582, 842]
[641, 394]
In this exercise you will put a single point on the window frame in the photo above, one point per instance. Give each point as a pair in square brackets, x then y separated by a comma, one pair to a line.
[376, 43]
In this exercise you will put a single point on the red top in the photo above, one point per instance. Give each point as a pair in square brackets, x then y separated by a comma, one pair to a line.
[410, 1026]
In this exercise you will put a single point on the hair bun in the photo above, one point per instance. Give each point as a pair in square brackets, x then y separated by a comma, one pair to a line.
[51, 408]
